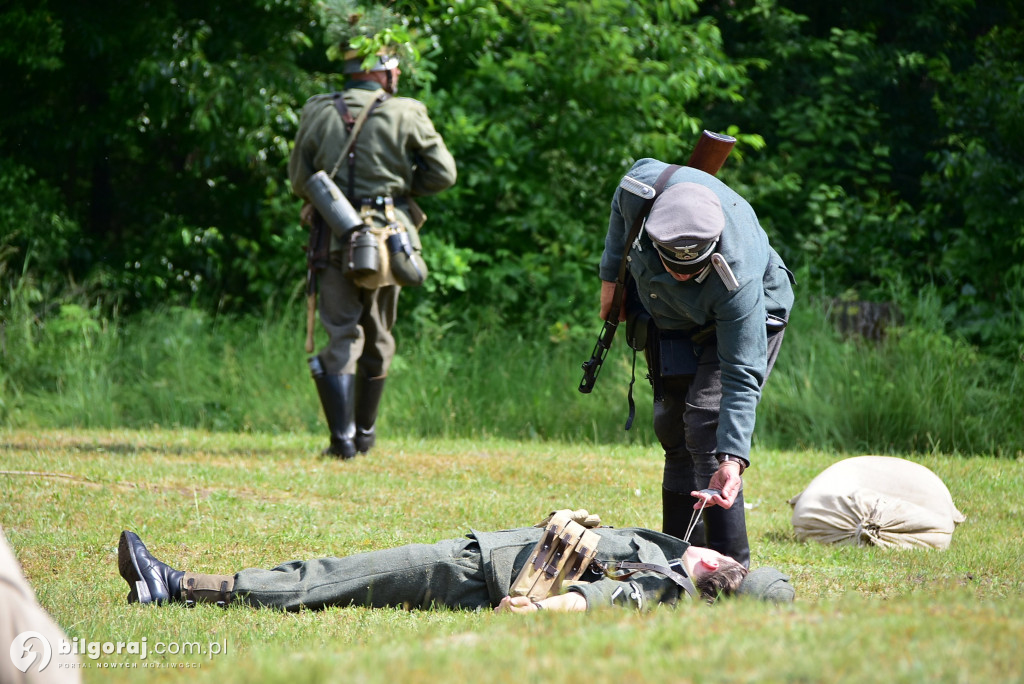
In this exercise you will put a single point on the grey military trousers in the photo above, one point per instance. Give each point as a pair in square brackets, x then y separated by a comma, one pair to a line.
[448, 573]
[358, 323]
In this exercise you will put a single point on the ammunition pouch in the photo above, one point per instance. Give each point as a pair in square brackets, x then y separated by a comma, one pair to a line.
[562, 555]
[568, 549]
[673, 353]
[639, 327]
[385, 252]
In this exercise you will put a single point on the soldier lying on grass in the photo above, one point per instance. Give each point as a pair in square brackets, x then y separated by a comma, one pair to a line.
[473, 572]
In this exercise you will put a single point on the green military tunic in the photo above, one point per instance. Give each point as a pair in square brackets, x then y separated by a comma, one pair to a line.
[470, 573]
[398, 154]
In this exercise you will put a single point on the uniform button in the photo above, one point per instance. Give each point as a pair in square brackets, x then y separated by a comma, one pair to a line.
[654, 296]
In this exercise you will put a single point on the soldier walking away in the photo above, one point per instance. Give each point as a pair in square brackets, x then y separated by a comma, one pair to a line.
[382, 151]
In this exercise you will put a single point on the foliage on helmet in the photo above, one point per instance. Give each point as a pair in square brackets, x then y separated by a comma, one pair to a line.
[364, 31]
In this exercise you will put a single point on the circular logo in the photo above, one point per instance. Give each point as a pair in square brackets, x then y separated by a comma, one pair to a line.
[23, 656]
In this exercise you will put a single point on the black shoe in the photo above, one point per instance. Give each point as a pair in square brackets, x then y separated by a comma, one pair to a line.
[149, 580]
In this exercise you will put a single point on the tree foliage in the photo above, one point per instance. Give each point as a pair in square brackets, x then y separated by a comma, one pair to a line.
[888, 163]
[163, 126]
[144, 146]
[546, 106]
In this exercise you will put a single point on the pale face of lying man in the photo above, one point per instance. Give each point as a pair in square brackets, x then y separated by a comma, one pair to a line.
[713, 573]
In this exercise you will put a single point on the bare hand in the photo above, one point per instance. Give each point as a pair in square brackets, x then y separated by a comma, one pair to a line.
[563, 603]
[516, 604]
[727, 481]
[607, 295]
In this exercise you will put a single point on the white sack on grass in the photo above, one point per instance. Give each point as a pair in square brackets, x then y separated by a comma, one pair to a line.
[876, 501]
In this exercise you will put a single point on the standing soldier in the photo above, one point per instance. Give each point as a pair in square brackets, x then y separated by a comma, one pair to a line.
[381, 151]
[717, 296]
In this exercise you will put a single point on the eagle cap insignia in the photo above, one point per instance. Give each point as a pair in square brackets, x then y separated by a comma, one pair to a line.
[688, 253]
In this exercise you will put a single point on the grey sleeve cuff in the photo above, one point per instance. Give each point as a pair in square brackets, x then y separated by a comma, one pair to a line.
[608, 592]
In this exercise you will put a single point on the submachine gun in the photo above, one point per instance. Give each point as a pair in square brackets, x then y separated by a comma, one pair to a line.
[708, 156]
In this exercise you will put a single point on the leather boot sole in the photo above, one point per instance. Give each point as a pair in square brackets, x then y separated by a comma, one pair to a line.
[340, 454]
[128, 568]
[128, 565]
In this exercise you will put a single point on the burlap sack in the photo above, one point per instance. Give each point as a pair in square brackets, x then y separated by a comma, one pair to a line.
[876, 501]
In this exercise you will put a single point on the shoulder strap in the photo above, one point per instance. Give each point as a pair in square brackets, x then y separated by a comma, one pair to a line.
[620, 282]
[634, 231]
[342, 107]
[353, 126]
[611, 568]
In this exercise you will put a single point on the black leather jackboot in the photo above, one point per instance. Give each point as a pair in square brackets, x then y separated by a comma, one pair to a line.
[337, 396]
[369, 392]
[727, 530]
[676, 513]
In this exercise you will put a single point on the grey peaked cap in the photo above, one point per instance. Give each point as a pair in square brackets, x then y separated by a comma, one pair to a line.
[685, 222]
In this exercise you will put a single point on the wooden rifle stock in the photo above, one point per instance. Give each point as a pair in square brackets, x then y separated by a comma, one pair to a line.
[711, 152]
[310, 321]
[708, 155]
[317, 254]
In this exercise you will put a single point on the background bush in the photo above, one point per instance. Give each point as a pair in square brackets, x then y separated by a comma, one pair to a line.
[143, 185]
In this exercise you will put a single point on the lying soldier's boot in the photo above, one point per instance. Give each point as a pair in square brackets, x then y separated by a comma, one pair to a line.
[149, 580]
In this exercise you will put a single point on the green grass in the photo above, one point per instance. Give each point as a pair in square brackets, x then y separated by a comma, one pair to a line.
[218, 502]
[918, 392]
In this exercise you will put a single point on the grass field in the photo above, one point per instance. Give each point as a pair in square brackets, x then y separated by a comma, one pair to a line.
[218, 502]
